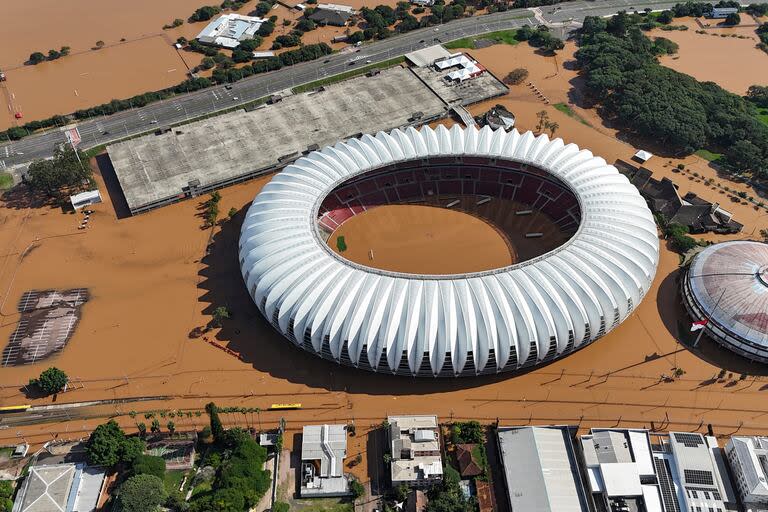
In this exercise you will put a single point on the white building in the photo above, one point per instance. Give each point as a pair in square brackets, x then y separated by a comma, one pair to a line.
[415, 450]
[748, 458]
[505, 319]
[696, 470]
[466, 67]
[60, 487]
[229, 29]
[323, 449]
[423, 2]
[620, 470]
[540, 470]
[337, 7]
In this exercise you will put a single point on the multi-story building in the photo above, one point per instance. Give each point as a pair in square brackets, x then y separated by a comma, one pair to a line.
[415, 450]
[693, 467]
[748, 458]
[620, 470]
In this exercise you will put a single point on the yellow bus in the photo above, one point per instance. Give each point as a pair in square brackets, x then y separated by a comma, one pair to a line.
[282, 407]
[15, 408]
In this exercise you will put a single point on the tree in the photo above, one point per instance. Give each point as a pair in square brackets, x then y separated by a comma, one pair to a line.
[171, 427]
[148, 465]
[266, 29]
[51, 381]
[593, 25]
[204, 13]
[36, 58]
[141, 493]
[745, 156]
[468, 432]
[155, 427]
[758, 94]
[142, 429]
[664, 46]
[280, 506]
[6, 492]
[356, 488]
[543, 120]
[67, 170]
[516, 76]
[99, 44]
[665, 17]
[216, 428]
[108, 445]
[64, 51]
[305, 25]
[220, 314]
[231, 213]
[733, 19]
[552, 127]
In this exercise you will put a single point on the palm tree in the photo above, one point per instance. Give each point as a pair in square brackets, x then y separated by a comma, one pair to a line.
[244, 412]
[155, 426]
[142, 429]
[171, 427]
[258, 413]
[543, 118]
[553, 126]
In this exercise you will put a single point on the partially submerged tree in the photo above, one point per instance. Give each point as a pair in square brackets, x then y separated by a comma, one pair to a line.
[67, 170]
[51, 381]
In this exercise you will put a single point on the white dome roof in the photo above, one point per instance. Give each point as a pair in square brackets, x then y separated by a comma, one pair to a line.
[463, 324]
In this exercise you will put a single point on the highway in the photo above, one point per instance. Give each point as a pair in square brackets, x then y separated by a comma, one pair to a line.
[181, 108]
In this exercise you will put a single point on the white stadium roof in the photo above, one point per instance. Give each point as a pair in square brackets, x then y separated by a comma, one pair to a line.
[483, 322]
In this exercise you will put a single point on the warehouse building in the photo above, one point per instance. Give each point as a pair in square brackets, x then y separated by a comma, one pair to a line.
[540, 469]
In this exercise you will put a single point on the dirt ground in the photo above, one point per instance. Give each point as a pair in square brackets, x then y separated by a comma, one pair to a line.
[156, 277]
[710, 56]
[415, 239]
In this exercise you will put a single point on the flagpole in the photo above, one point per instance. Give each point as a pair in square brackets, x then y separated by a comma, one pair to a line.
[701, 333]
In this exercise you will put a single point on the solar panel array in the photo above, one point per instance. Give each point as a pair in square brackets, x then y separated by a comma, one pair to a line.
[689, 440]
[665, 482]
[698, 477]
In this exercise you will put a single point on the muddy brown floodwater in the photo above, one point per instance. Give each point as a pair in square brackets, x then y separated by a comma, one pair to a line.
[157, 277]
[718, 55]
[91, 78]
[421, 239]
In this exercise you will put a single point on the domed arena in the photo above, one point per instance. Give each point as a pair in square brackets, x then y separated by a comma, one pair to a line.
[583, 246]
[726, 290]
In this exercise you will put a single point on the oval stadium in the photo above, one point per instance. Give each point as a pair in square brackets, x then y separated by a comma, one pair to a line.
[584, 245]
[726, 286]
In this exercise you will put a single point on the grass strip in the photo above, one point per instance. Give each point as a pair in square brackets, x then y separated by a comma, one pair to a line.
[567, 110]
[346, 75]
[499, 37]
[708, 155]
[6, 182]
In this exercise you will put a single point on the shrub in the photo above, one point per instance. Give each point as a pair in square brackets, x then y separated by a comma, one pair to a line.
[516, 76]
[36, 58]
[148, 465]
[356, 488]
